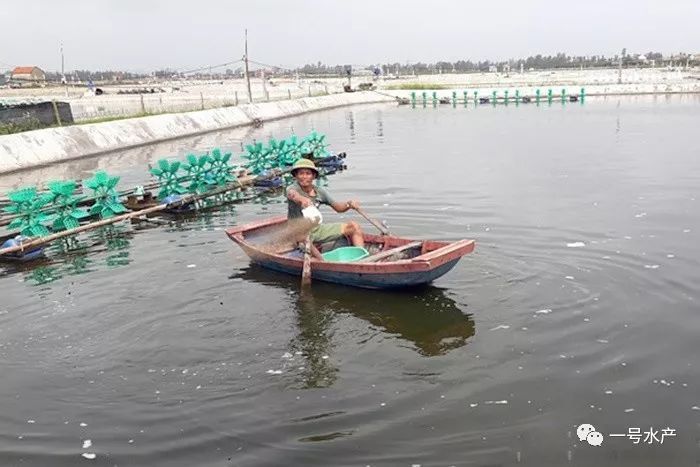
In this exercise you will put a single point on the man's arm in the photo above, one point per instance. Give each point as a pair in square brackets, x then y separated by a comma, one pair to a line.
[295, 197]
[344, 206]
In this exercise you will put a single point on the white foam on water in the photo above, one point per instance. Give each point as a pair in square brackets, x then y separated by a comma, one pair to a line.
[274, 372]
[287, 355]
[602, 341]
[651, 266]
[569, 277]
[544, 311]
[503, 402]
[576, 245]
[500, 326]
[89, 455]
[87, 443]
[641, 214]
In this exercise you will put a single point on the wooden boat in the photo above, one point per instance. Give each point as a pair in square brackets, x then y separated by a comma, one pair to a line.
[394, 262]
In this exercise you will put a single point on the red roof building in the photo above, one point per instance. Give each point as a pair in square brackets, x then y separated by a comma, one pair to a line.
[28, 73]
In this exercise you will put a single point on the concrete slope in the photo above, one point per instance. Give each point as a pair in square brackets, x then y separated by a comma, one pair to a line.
[40, 147]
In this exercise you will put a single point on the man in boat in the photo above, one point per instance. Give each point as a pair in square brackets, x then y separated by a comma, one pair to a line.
[304, 193]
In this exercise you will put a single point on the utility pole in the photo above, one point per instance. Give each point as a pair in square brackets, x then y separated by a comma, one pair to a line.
[63, 72]
[619, 69]
[247, 75]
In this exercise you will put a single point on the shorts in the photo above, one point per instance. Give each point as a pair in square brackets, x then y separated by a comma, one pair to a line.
[327, 232]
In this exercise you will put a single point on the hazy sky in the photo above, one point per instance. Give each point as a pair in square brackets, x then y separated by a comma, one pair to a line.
[145, 35]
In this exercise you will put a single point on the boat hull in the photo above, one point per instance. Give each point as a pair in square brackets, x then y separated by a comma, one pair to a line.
[433, 260]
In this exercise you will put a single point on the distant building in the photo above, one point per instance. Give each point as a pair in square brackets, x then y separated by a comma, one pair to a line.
[28, 73]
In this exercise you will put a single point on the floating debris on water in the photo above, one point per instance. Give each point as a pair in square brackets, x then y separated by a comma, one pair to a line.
[502, 402]
[87, 443]
[569, 277]
[651, 266]
[191, 265]
[576, 245]
[89, 455]
[274, 372]
[287, 355]
[544, 311]
[500, 326]
[629, 410]
[641, 214]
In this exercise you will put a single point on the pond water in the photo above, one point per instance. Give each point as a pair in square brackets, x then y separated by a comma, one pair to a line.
[162, 346]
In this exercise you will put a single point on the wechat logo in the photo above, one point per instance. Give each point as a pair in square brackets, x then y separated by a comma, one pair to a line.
[587, 432]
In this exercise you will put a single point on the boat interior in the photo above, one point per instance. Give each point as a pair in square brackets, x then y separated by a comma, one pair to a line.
[280, 240]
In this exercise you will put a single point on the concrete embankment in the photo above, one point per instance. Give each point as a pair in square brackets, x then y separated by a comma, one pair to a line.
[41, 147]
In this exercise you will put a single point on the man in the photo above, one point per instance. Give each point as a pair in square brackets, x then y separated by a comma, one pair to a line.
[304, 193]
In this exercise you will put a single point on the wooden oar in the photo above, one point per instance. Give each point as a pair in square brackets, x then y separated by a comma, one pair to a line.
[379, 226]
[306, 270]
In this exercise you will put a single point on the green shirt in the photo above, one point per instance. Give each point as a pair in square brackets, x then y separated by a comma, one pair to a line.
[294, 210]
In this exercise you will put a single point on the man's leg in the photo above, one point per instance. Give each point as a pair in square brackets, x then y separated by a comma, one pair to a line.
[354, 231]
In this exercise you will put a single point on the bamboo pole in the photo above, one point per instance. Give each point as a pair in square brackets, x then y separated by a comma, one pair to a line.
[239, 183]
[184, 200]
[5, 220]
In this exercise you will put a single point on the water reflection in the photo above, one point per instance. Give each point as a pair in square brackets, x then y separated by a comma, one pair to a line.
[427, 317]
[70, 256]
[314, 341]
[350, 117]
[380, 127]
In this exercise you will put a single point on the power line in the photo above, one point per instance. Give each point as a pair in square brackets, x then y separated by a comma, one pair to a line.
[270, 66]
[205, 68]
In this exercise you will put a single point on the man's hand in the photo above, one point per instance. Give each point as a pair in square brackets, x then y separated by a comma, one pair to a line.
[353, 204]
